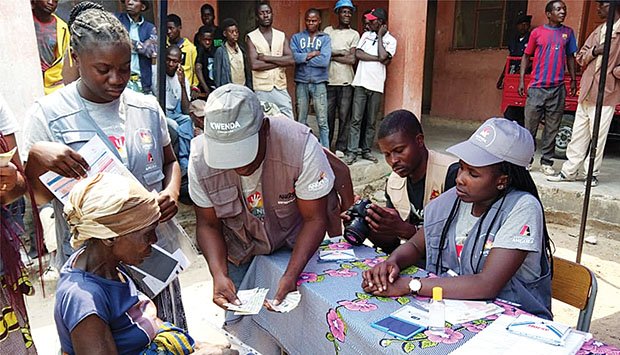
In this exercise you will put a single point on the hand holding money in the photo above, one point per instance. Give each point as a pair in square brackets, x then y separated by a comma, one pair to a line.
[251, 301]
[289, 303]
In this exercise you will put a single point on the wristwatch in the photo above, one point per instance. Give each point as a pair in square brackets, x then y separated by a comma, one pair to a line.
[415, 285]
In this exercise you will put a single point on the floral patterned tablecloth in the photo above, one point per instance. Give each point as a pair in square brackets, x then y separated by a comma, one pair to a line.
[335, 314]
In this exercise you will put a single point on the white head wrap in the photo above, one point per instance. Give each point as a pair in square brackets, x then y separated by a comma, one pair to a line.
[107, 206]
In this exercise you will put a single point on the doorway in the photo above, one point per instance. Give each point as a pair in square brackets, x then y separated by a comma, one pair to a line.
[429, 56]
[243, 11]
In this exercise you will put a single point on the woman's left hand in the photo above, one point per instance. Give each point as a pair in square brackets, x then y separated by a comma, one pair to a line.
[168, 205]
[8, 177]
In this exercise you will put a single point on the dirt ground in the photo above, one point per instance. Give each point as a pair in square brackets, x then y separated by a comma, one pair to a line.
[602, 259]
[204, 317]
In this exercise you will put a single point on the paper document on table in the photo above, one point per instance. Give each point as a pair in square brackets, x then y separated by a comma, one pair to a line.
[460, 311]
[337, 255]
[496, 339]
[542, 329]
[289, 303]
[6, 157]
[251, 301]
[99, 158]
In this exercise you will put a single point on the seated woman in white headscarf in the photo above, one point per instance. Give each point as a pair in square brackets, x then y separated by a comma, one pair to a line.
[98, 308]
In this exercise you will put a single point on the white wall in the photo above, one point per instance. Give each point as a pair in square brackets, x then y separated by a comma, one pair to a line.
[20, 70]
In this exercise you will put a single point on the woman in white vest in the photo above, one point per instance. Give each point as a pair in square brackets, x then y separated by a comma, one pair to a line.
[130, 124]
[486, 238]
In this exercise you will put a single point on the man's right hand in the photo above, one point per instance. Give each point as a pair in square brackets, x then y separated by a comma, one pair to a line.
[382, 30]
[377, 278]
[387, 221]
[224, 292]
[61, 159]
[521, 89]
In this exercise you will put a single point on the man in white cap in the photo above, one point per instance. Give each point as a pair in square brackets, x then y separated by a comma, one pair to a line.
[341, 74]
[375, 50]
[258, 184]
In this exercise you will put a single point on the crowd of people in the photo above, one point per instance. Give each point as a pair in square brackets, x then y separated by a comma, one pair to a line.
[553, 47]
[226, 142]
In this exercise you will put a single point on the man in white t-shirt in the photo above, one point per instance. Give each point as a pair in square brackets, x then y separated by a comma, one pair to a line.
[258, 184]
[339, 89]
[374, 52]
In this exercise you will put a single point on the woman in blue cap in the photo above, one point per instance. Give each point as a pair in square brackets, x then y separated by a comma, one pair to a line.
[486, 238]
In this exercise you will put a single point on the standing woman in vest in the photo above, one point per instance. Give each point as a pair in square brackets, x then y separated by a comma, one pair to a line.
[131, 124]
[488, 232]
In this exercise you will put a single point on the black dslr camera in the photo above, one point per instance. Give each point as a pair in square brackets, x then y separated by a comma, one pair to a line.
[357, 230]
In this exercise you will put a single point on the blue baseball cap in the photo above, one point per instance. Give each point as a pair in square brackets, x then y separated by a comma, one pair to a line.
[343, 3]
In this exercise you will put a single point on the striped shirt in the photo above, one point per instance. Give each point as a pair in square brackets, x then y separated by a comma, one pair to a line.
[550, 46]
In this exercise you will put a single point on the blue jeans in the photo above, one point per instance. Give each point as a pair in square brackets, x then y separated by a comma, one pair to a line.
[280, 98]
[318, 92]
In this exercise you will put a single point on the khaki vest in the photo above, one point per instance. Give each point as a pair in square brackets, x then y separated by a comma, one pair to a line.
[436, 169]
[266, 80]
[246, 235]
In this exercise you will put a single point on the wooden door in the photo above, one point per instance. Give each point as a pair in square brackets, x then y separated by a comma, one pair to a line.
[590, 21]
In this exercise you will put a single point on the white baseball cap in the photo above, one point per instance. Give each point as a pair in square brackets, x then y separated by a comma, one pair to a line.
[233, 118]
[495, 141]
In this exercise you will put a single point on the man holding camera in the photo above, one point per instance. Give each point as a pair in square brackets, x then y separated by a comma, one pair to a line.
[259, 184]
[418, 176]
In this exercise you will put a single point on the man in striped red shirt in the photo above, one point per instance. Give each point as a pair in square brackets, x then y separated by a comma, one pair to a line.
[552, 45]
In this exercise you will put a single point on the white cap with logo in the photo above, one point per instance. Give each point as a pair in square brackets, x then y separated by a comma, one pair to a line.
[495, 141]
[233, 118]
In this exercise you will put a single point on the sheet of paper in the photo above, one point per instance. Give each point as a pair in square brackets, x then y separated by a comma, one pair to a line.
[460, 311]
[495, 339]
[6, 157]
[99, 158]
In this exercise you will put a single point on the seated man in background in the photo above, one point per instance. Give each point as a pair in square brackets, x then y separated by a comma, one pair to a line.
[205, 61]
[177, 111]
[418, 176]
[207, 17]
[259, 184]
[188, 50]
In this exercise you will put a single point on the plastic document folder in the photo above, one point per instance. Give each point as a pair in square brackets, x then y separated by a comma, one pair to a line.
[497, 340]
